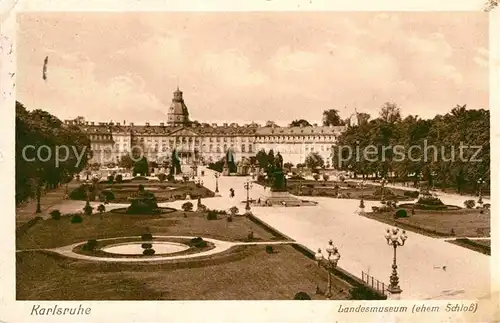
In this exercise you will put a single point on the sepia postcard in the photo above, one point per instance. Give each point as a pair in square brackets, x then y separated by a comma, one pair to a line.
[219, 162]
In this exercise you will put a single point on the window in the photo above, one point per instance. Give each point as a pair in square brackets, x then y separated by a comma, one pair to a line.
[243, 148]
[249, 148]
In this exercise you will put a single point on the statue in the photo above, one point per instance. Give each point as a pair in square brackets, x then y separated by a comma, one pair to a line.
[176, 163]
[279, 181]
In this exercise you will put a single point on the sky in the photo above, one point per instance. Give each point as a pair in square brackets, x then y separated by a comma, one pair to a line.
[251, 66]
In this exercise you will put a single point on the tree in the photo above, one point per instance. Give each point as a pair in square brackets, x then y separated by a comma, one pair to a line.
[271, 123]
[262, 158]
[300, 123]
[39, 128]
[331, 118]
[363, 118]
[288, 166]
[187, 206]
[390, 113]
[141, 167]
[314, 160]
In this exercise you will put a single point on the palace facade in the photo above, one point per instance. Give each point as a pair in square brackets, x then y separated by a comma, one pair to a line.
[202, 142]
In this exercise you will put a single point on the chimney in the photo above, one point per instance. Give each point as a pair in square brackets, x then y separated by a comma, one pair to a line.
[162, 124]
[123, 122]
[131, 124]
[92, 123]
[147, 124]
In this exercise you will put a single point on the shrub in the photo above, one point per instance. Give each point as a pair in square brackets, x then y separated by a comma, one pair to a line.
[212, 215]
[412, 194]
[76, 219]
[90, 245]
[230, 218]
[162, 177]
[101, 208]
[148, 252]
[198, 242]
[234, 210]
[302, 296]
[147, 236]
[111, 179]
[147, 246]
[316, 177]
[80, 193]
[430, 201]
[119, 178]
[470, 204]
[55, 214]
[269, 249]
[363, 293]
[401, 213]
[187, 207]
[87, 209]
[107, 195]
[326, 177]
[202, 208]
[486, 206]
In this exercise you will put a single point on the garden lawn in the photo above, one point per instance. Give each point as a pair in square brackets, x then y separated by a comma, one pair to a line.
[322, 188]
[242, 273]
[464, 222]
[57, 233]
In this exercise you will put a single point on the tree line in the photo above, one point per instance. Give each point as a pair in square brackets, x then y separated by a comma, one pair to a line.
[436, 156]
[48, 152]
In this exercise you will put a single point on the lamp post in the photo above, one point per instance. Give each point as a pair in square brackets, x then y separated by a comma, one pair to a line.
[331, 263]
[480, 182]
[396, 239]
[216, 175]
[248, 186]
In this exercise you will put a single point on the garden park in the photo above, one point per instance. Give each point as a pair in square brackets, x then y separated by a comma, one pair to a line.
[145, 251]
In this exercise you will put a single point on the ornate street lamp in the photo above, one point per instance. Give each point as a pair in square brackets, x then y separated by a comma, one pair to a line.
[248, 186]
[216, 175]
[480, 182]
[331, 263]
[396, 239]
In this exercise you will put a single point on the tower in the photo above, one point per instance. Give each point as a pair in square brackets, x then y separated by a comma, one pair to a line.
[178, 113]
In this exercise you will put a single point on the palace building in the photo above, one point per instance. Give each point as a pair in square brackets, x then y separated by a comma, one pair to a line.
[202, 142]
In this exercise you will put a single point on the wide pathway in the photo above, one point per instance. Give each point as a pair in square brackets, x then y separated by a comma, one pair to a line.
[428, 268]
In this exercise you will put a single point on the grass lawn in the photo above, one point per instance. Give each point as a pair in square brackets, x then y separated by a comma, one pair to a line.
[465, 223]
[242, 273]
[164, 192]
[348, 189]
[57, 233]
[482, 246]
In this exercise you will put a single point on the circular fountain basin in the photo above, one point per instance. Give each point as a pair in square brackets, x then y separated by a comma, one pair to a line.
[135, 248]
